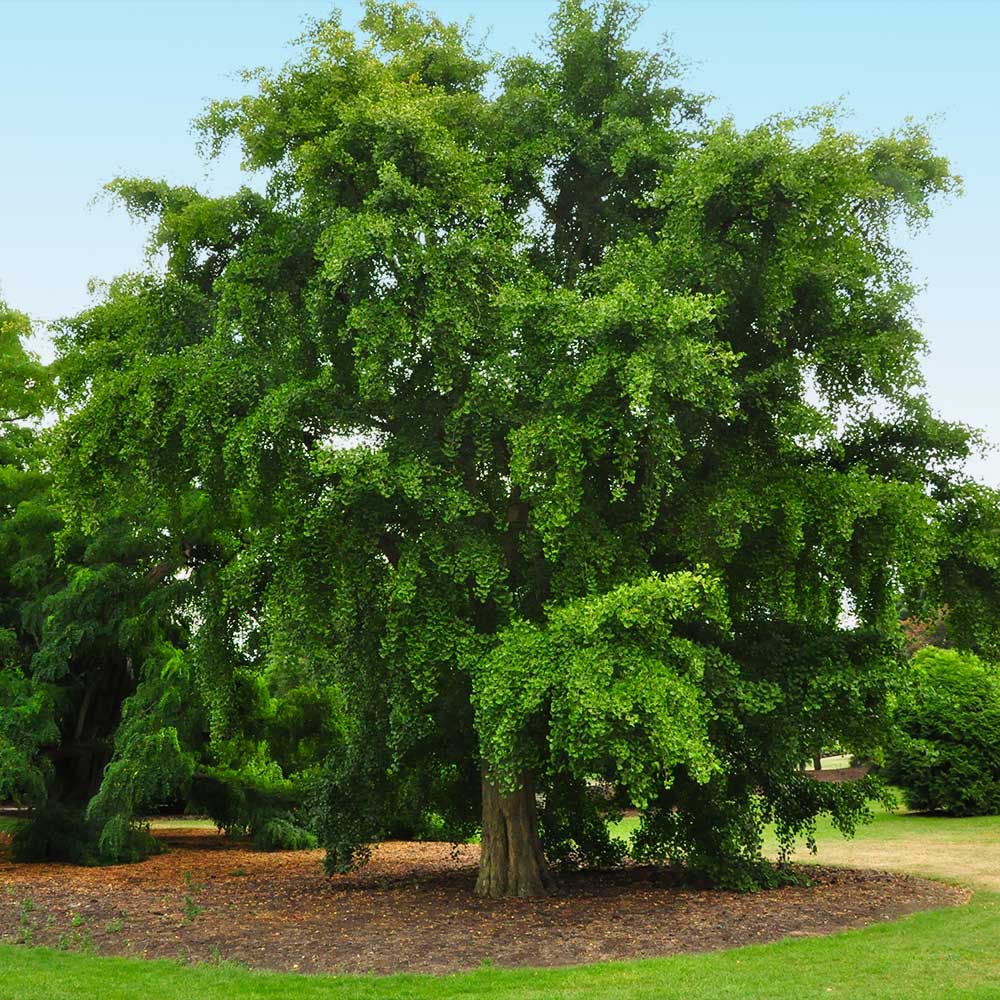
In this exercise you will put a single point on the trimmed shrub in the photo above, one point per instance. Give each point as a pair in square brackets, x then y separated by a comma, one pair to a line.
[945, 751]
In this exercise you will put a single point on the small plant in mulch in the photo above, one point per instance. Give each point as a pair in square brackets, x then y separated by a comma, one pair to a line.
[25, 928]
[191, 909]
[79, 938]
[224, 963]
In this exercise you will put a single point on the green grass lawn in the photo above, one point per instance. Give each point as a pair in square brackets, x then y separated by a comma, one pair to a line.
[898, 825]
[948, 953]
[928, 956]
[182, 824]
[887, 826]
[8, 824]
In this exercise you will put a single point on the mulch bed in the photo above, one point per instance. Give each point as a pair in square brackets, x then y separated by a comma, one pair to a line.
[839, 774]
[412, 909]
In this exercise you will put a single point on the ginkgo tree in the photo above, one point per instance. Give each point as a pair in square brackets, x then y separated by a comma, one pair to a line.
[578, 440]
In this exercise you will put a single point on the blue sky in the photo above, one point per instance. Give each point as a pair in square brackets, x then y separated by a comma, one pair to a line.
[91, 90]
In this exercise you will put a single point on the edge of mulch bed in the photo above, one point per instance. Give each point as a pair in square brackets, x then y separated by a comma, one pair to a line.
[412, 909]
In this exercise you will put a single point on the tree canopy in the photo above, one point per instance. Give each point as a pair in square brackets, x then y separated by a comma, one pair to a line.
[572, 442]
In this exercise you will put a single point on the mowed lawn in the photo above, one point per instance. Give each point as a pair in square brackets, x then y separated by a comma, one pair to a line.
[947, 953]
[963, 850]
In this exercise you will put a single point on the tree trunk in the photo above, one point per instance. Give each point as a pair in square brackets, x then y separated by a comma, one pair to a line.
[511, 863]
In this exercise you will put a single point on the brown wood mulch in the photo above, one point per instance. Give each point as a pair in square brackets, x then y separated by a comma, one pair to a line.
[412, 909]
[838, 774]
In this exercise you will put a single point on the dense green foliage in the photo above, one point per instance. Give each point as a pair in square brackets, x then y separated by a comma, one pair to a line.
[549, 423]
[80, 616]
[263, 807]
[27, 710]
[945, 754]
[967, 580]
[521, 425]
[101, 718]
[58, 832]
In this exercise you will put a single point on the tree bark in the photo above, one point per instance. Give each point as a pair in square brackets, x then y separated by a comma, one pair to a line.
[511, 863]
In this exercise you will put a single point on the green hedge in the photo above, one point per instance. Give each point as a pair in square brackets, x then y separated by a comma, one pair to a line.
[945, 751]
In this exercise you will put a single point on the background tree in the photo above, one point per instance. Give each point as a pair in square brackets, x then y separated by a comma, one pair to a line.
[550, 425]
[27, 710]
[78, 619]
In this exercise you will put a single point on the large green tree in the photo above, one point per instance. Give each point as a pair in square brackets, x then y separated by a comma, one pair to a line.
[579, 441]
